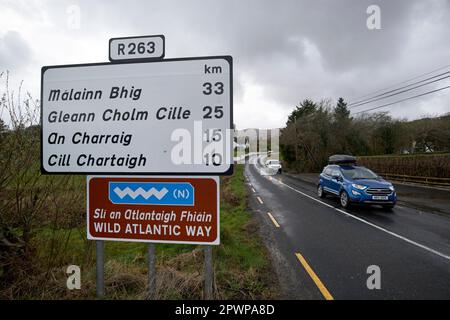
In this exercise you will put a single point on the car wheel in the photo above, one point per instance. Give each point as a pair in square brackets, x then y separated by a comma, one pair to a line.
[279, 171]
[320, 191]
[345, 201]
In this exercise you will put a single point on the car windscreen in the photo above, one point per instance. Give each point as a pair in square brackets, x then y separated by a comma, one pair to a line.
[358, 173]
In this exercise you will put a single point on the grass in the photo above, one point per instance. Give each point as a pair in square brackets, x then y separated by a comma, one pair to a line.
[242, 268]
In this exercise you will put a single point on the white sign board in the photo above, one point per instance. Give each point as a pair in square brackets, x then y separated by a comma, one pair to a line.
[164, 117]
[143, 47]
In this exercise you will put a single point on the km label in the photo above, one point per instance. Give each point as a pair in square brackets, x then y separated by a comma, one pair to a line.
[212, 69]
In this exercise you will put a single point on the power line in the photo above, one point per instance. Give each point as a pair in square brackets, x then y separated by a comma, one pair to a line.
[372, 99]
[398, 101]
[384, 96]
[402, 82]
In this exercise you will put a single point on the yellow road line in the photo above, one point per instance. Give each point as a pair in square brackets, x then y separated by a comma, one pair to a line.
[273, 220]
[259, 199]
[326, 294]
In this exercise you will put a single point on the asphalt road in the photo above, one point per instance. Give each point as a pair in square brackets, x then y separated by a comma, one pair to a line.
[321, 251]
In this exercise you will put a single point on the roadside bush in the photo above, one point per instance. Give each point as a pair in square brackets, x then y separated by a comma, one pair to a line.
[28, 200]
[422, 165]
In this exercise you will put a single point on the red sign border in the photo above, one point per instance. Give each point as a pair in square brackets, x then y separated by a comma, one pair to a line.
[215, 178]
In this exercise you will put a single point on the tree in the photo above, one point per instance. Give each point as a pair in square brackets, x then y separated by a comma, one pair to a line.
[342, 127]
[306, 107]
[341, 111]
[431, 134]
[315, 130]
[3, 128]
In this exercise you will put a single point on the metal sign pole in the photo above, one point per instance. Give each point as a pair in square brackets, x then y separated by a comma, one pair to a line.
[208, 289]
[151, 271]
[100, 285]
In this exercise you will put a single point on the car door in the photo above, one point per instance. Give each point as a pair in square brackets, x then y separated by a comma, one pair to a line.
[335, 183]
[325, 179]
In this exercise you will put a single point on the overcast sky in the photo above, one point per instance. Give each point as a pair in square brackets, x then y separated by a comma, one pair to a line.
[283, 51]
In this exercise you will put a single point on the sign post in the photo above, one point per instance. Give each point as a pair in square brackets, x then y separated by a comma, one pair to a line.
[151, 271]
[100, 269]
[209, 273]
[141, 115]
[154, 209]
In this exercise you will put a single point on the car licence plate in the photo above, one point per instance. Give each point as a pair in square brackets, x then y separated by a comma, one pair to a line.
[379, 197]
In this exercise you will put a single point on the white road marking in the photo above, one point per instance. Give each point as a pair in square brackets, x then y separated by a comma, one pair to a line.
[370, 223]
[259, 199]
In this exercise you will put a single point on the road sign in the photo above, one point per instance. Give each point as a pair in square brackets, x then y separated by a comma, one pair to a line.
[163, 117]
[153, 209]
[131, 48]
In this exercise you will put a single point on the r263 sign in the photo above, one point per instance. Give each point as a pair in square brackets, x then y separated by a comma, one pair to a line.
[146, 47]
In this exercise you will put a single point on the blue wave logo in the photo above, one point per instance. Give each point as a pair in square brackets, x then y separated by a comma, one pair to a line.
[152, 193]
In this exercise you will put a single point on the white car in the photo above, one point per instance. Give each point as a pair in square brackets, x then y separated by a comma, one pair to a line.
[274, 165]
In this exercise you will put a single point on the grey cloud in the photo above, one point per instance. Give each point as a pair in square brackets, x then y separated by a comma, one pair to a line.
[294, 49]
[15, 52]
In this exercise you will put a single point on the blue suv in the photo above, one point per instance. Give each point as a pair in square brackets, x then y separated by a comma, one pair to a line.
[354, 184]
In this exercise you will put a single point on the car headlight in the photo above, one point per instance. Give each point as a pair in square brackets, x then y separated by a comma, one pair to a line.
[358, 186]
[392, 188]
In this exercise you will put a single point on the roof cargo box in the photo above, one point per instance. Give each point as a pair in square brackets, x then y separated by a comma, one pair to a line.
[341, 159]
